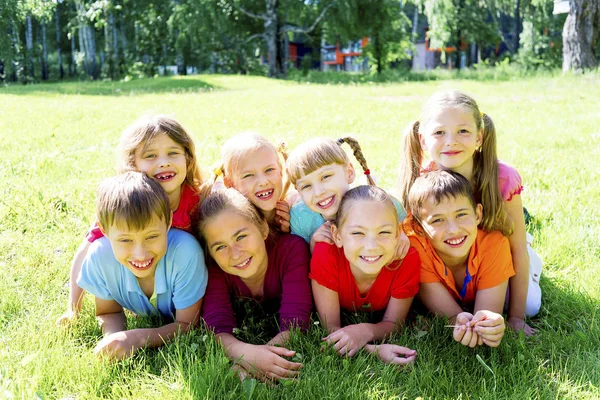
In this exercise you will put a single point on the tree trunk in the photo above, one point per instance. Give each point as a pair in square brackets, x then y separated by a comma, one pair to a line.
[61, 70]
[518, 27]
[271, 37]
[73, 65]
[109, 44]
[580, 34]
[44, 52]
[29, 46]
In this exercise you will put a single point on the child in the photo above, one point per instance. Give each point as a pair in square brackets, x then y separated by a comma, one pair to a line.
[161, 148]
[458, 137]
[359, 272]
[252, 165]
[271, 270]
[461, 266]
[322, 173]
[142, 266]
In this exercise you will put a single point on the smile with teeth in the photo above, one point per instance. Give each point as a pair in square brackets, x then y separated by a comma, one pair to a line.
[456, 241]
[265, 194]
[141, 264]
[326, 203]
[243, 264]
[165, 176]
[370, 259]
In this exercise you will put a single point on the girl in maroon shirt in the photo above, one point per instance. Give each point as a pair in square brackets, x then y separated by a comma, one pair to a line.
[359, 272]
[252, 264]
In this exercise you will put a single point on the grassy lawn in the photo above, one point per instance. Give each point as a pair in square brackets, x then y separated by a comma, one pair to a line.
[57, 143]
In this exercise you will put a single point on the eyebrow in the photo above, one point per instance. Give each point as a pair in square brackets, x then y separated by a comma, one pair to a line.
[442, 215]
[378, 227]
[252, 170]
[234, 235]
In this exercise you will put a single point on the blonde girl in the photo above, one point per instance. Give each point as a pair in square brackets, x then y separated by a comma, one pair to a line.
[253, 265]
[322, 173]
[457, 136]
[359, 272]
[160, 147]
[253, 166]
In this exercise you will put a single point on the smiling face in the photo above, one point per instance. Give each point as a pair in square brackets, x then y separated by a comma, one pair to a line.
[451, 138]
[451, 226]
[368, 235]
[259, 179]
[139, 250]
[164, 161]
[322, 190]
[237, 244]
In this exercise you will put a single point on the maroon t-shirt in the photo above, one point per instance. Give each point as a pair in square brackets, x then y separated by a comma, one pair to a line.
[286, 287]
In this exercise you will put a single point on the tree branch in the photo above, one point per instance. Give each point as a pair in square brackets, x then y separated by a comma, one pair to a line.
[251, 14]
[251, 38]
[296, 29]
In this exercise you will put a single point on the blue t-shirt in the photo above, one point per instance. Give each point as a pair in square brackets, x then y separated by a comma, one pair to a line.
[305, 222]
[180, 277]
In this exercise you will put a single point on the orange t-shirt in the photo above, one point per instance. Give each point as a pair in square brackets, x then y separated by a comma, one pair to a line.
[489, 263]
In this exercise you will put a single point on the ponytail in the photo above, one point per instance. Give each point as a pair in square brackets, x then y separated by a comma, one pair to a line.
[358, 154]
[410, 166]
[283, 152]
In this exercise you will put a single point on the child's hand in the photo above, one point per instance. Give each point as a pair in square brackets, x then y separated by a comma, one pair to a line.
[489, 326]
[402, 246]
[463, 330]
[393, 354]
[349, 339]
[67, 318]
[519, 324]
[323, 234]
[267, 362]
[282, 215]
[119, 345]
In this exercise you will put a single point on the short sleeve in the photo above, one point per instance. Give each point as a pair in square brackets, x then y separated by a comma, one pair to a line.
[324, 266]
[91, 277]
[406, 279]
[191, 278]
[509, 181]
[495, 265]
[181, 216]
[428, 273]
[304, 222]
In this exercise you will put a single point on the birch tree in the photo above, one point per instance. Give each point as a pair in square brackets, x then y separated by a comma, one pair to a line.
[580, 35]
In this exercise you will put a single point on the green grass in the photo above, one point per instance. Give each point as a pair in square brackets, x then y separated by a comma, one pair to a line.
[57, 143]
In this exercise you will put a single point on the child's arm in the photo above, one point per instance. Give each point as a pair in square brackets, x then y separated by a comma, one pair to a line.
[282, 216]
[350, 339]
[323, 234]
[439, 301]
[119, 343]
[487, 320]
[519, 283]
[75, 292]
[402, 246]
[327, 303]
[266, 361]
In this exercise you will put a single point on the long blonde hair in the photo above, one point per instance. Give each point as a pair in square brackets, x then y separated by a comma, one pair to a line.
[146, 129]
[317, 153]
[485, 160]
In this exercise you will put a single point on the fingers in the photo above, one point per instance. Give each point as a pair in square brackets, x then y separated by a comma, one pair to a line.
[492, 343]
[240, 371]
[401, 361]
[529, 331]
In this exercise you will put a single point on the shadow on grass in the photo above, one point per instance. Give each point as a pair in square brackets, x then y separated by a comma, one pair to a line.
[107, 88]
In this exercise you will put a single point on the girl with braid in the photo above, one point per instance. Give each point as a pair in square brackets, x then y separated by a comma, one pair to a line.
[322, 173]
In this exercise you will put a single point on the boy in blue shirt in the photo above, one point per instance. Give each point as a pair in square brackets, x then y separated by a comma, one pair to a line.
[142, 266]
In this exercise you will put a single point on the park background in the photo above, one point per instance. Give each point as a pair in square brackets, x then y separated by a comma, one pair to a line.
[58, 140]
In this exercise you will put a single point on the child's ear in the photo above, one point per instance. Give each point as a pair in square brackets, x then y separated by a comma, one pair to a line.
[351, 173]
[422, 142]
[337, 237]
[227, 182]
[479, 140]
[102, 229]
[265, 230]
[479, 213]
[170, 221]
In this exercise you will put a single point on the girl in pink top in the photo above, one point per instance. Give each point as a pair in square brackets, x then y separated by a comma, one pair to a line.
[457, 136]
[257, 266]
[161, 148]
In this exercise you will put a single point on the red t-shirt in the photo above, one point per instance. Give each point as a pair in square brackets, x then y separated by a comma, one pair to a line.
[181, 216]
[330, 268]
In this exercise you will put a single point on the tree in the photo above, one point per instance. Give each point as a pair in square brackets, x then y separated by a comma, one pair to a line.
[580, 34]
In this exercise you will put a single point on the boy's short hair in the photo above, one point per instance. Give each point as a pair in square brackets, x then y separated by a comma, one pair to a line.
[131, 198]
[439, 185]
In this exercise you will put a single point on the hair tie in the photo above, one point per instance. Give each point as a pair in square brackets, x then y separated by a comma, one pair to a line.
[340, 141]
[367, 172]
[218, 171]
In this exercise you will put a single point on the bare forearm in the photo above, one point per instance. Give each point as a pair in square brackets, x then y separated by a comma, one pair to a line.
[112, 323]
[75, 292]
[234, 348]
[519, 285]
[380, 330]
[156, 337]
[279, 339]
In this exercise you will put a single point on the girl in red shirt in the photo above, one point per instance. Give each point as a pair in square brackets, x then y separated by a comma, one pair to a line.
[161, 148]
[359, 272]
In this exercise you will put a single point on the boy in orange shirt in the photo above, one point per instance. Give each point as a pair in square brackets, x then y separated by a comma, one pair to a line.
[462, 267]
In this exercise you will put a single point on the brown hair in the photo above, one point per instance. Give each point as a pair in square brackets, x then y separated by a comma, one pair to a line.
[439, 185]
[485, 160]
[131, 198]
[222, 201]
[317, 153]
[144, 130]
